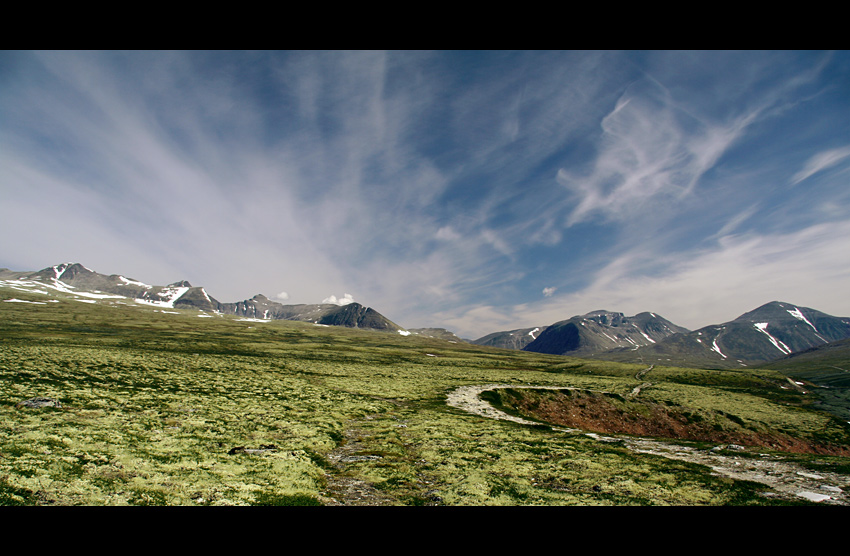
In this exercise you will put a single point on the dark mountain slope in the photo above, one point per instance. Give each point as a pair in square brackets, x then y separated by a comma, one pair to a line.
[602, 331]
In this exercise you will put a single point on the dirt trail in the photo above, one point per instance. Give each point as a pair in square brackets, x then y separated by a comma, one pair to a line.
[785, 478]
[344, 490]
[636, 390]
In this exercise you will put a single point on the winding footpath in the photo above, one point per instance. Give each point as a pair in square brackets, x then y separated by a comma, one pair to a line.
[787, 479]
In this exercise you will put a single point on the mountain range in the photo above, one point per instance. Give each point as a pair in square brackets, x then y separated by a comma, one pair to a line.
[601, 331]
[77, 280]
[770, 332]
[767, 333]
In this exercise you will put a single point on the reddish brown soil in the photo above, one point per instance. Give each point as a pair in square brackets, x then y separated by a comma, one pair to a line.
[597, 413]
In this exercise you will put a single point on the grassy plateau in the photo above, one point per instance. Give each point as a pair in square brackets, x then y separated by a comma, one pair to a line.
[168, 407]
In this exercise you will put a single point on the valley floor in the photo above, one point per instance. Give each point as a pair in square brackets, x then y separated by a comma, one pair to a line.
[166, 408]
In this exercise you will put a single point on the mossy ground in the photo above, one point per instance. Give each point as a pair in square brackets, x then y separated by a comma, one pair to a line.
[173, 409]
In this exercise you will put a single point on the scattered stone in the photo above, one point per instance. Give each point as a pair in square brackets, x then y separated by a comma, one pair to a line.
[813, 496]
[732, 447]
[38, 402]
[350, 459]
[243, 450]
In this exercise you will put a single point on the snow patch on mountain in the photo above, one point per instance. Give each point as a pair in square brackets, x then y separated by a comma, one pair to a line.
[128, 282]
[717, 349]
[762, 327]
[168, 296]
[797, 313]
[610, 338]
[23, 285]
[67, 288]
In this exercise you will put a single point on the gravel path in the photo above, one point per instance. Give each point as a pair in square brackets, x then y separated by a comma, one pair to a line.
[785, 478]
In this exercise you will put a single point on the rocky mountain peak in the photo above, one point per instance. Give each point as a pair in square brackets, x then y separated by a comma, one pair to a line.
[607, 318]
[69, 271]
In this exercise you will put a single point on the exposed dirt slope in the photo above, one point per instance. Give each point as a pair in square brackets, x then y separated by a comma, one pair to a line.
[612, 414]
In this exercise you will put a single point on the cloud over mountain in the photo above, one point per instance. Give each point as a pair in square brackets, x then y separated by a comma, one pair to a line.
[344, 300]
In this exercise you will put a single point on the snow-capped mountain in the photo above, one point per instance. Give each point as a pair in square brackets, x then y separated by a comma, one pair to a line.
[769, 332]
[77, 281]
[602, 331]
[772, 331]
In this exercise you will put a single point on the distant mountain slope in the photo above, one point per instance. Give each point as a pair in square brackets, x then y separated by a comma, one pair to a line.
[828, 368]
[440, 333]
[603, 331]
[261, 307]
[355, 315]
[511, 339]
[77, 280]
[772, 331]
[352, 315]
[828, 365]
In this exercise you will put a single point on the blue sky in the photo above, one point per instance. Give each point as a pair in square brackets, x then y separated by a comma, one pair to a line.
[477, 191]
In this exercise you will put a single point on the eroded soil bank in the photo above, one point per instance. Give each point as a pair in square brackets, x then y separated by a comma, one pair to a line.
[613, 414]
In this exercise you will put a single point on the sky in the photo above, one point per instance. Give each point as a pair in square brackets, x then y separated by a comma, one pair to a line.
[474, 191]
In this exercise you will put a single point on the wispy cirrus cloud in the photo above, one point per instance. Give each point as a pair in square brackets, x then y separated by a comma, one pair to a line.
[820, 162]
[438, 186]
[649, 148]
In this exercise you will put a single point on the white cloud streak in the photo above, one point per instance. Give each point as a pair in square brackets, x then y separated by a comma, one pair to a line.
[649, 148]
[821, 162]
